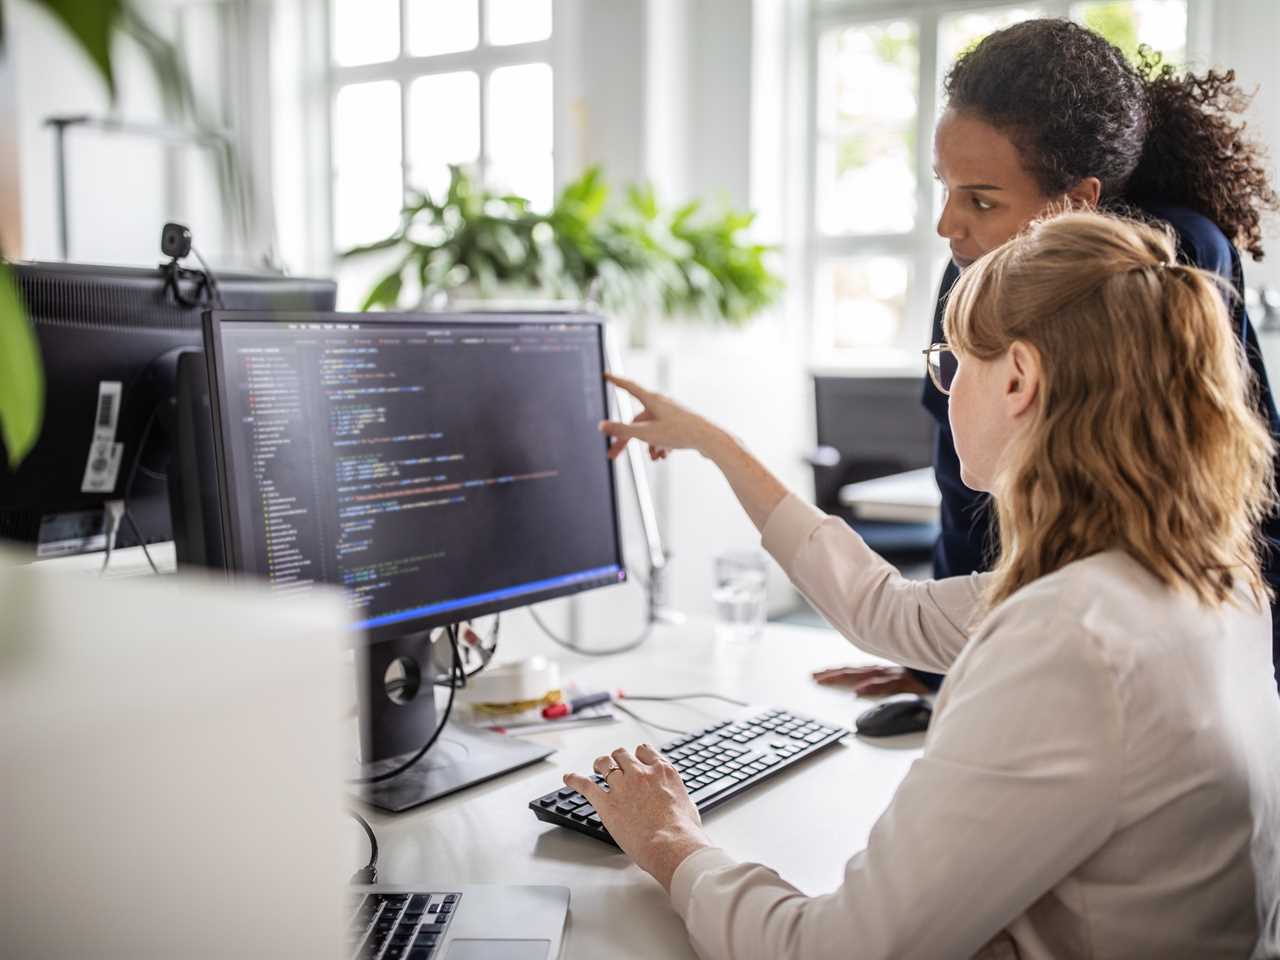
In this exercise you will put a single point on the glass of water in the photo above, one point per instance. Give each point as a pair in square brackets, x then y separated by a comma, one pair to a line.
[739, 594]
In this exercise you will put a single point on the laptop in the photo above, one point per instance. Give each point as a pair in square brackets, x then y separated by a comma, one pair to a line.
[172, 754]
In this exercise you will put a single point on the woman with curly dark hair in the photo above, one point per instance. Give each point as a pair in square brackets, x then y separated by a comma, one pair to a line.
[1044, 114]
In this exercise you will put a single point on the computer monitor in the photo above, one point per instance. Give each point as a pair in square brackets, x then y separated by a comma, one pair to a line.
[110, 339]
[440, 467]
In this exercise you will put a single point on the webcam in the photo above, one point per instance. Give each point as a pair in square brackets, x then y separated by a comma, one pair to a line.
[175, 241]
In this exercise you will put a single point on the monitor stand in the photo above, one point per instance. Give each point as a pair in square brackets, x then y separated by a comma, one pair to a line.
[462, 757]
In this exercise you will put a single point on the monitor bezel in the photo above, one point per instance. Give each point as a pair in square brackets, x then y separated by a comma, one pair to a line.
[219, 402]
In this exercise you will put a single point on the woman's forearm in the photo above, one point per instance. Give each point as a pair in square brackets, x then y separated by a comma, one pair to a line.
[758, 490]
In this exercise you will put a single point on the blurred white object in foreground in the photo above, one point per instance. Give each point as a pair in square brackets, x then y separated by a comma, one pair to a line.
[169, 754]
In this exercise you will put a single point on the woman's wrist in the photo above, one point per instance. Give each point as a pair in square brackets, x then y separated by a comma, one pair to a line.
[671, 850]
[719, 445]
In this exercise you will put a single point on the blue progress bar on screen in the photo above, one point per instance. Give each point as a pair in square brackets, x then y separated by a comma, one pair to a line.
[476, 599]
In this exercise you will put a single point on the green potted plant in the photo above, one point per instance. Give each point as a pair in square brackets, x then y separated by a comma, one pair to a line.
[633, 258]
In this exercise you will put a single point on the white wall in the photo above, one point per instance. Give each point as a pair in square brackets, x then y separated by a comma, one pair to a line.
[694, 131]
[121, 188]
[112, 185]
[1243, 36]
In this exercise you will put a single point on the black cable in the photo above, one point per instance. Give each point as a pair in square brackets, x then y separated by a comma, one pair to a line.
[649, 723]
[137, 457]
[369, 872]
[128, 489]
[174, 273]
[621, 648]
[212, 280]
[456, 672]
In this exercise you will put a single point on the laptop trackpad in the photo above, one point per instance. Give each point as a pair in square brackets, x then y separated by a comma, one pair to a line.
[499, 950]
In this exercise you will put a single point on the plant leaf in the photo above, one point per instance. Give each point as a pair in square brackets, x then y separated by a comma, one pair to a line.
[92, 23]
[387, 292]
[21, 375]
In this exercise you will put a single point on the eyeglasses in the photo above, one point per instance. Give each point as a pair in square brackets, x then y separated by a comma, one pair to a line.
[940, 361]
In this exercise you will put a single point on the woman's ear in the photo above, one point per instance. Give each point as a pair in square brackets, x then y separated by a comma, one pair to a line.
[1085, 194]
[1023, 384]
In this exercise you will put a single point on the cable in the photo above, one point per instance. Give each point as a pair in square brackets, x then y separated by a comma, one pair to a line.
[212, 280]
[174, 273]
[649, 723]
[457, 672]
[369, 872]
[142, 541]
[691, 696]
[128, 489]
[622, 648]
[488, 652]
[112, 510]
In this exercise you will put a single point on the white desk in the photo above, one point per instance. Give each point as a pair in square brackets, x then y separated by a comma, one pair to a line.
[805, 824]
[910, 497]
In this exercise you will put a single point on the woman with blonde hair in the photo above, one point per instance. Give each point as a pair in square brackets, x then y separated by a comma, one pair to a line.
[1102, 776]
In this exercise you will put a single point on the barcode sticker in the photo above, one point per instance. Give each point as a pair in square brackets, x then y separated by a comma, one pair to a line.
[104, 424]
[106, 407]
[103, 462]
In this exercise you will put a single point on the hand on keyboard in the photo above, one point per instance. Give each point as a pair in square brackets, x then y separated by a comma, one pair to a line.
[646, 809]
[715, 765]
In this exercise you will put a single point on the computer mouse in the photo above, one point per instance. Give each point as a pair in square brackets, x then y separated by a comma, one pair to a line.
[894, 717]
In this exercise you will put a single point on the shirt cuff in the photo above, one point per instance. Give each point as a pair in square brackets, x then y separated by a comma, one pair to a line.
[690, 869]
[789, 528]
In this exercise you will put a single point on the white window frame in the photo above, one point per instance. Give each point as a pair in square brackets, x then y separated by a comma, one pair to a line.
[405, 68]
[925, 252]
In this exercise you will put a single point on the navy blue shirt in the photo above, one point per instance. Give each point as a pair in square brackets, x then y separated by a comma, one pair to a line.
[965, 545]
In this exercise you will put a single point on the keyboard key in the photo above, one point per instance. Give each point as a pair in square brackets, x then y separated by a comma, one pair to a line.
[711, 788]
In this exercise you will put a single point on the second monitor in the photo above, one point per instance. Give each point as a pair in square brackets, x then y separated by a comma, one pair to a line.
[439, 467]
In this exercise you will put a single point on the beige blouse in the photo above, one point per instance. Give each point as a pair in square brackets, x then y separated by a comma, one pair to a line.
[1101, 778]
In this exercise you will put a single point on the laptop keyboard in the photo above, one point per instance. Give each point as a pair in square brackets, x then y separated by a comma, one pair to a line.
[716, 764]
[400, 926]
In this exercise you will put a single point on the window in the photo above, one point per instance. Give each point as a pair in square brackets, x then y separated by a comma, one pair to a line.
[422, 84]
[875, 261]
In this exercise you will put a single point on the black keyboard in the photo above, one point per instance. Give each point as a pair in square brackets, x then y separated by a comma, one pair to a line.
[399, 926]
[716, 764]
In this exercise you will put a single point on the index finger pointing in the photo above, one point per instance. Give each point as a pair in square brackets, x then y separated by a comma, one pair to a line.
[633, 388]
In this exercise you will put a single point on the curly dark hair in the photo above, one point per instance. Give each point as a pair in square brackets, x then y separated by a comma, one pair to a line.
[1075, 108]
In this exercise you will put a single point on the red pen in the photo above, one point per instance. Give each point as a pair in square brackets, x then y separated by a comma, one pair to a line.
[566, 708]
